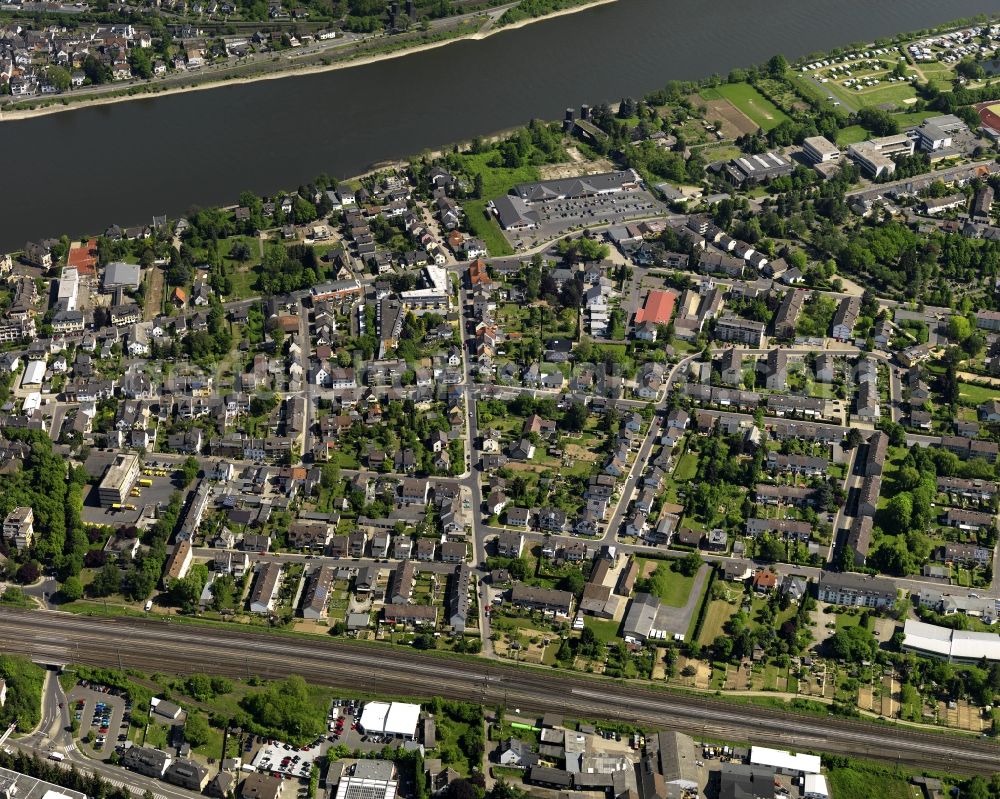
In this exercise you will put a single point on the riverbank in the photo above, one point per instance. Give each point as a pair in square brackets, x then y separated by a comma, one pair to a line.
[151, 90]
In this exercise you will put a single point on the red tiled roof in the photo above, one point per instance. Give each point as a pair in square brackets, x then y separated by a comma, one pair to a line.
[477, 273]
[658, 309]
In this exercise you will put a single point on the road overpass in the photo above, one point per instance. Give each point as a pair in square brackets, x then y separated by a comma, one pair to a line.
[157, 646]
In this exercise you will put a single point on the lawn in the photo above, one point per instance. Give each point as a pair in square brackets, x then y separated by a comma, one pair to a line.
[845, 620]
[851, 135]
[687, 467]
[912, 118]
[485, 227]
[719, 612]
[752, 103]
[975, 395]
[672, 588]
[605, 630]
[244, 284]
[848, 783]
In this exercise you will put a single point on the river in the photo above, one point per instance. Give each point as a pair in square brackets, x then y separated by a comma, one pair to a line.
[80, 171]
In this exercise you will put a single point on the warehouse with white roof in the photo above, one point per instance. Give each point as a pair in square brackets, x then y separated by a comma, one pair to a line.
[34, 372]
[784, 762]
[398, 719]
[955, 646]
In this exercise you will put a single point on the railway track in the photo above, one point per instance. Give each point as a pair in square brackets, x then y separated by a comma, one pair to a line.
[152, 646]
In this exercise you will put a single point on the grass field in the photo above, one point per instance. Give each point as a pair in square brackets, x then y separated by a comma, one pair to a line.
[672, 588]
[976, 394]
[912, 118]
[605, 630]
[751, 102]
[719, 612]
[687, 467]
[887, 94]
[851, 135]
[847, 783]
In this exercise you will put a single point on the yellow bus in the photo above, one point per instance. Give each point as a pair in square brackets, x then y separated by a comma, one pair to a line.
[145, 483]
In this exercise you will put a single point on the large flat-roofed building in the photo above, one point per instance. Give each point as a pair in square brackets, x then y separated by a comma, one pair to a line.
[875, 155]
[398, 719]
[943, 643]
[755, 169]
[820, 150]
[583, 186]
[368, 779]
[15, 785]
[936, 133]
[118, 479]
[121, 275]
[784, 762]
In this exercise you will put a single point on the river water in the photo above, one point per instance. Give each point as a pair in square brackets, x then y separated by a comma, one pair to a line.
[80, 171]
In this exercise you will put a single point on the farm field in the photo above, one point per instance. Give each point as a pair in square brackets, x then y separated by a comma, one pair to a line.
[750, 102]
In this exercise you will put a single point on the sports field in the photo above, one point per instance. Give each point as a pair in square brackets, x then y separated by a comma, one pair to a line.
[752, 103]
[989, 114]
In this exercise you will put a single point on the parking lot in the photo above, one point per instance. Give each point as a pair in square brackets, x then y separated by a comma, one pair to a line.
[101, 713]
[558, 217]
[141, 502]
[288, 761]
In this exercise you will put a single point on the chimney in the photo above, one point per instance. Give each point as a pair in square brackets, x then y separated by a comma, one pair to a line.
[585, 112]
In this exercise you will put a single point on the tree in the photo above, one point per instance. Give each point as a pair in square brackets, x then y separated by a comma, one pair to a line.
[689, 564]
[852, 644]
[190, 469]
[777, 65]
[28, 572]
[959, 329]
[285, 709]
[140, 63]
[58, 77]
[196, 730]
[575, 417]
[899, 513]
[72, 589]
[572, 581]
[853, 439]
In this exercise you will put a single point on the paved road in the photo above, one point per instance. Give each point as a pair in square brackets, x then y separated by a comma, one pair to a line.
[183, 648]
[642, 457]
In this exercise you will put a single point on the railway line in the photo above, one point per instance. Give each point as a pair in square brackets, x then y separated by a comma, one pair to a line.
[152, 646]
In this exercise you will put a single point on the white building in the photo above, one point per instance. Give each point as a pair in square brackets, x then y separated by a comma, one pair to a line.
[820, 150]
[784, 762]
[398, 719]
